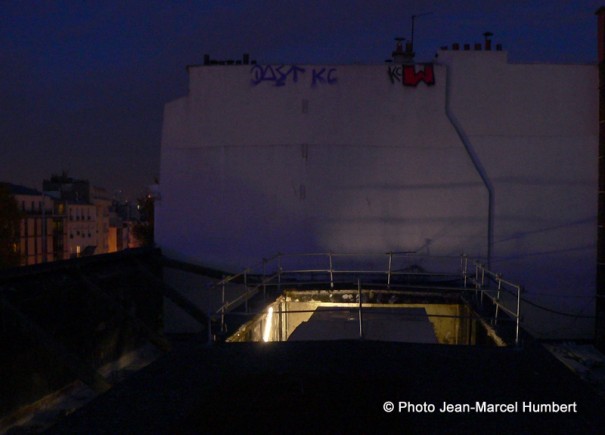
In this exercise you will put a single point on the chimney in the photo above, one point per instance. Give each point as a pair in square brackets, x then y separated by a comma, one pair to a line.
[455, 46]
[488, 40]
[398, 55]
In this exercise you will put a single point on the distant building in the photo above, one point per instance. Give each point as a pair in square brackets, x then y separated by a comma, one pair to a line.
[81, 228]
[42, 236]
[102, 202]
[118, 236]
[88, 214]
[466, 154]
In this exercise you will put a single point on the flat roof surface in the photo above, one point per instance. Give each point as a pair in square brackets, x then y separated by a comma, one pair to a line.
[388, 324]
[341, 387]
[329, 387]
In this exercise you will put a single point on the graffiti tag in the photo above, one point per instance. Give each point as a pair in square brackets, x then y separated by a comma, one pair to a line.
[282, 74]
[408, 76]
[322, 77]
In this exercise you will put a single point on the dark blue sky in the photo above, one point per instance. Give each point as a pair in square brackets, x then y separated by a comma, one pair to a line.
[83, 84]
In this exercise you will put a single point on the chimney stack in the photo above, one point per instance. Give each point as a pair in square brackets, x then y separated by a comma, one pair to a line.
[398, 54]
[488, 40]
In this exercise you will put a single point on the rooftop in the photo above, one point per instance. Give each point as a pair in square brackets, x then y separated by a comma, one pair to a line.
[16, 189]
[340, 387]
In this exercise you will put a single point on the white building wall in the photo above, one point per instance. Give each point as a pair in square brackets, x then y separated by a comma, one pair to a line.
[535, 130]
[343, 158]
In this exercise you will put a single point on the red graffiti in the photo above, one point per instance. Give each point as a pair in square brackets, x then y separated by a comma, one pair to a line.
[408, 76]
[411, 77]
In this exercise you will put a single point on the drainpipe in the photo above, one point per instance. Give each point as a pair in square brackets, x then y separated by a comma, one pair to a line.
[476, 163]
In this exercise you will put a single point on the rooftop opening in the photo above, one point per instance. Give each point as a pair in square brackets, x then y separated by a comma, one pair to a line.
[399, 297]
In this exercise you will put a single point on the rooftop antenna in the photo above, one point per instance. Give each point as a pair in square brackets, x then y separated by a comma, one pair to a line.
[413, 24]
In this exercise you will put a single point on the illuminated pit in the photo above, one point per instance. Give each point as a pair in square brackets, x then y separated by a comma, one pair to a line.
[385, 316]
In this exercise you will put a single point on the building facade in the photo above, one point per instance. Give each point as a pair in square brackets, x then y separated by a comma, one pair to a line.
[88, 214]
[466, 154]
[42, 234]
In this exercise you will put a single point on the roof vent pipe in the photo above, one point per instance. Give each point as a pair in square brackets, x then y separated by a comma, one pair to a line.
[398, 54]
[488, 40]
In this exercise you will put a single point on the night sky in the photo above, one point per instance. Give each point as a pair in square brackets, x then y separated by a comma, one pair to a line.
[83, 84]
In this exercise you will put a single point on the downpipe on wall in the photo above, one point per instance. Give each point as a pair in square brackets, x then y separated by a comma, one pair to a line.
[476, 163]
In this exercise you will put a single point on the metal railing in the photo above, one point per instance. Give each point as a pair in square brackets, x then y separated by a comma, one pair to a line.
[384, 273]
[483, 281]
[287, 270]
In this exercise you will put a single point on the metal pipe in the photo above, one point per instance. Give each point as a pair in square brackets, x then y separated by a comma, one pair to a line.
[279, 273]
[360, 310]
[246, 291]
[464, 268]
[475, 161]
[497, 301]
[482, 281]
[389, 272]
[223, 309]
[209, 319]
[331, 273]
[518, 315]
[264, 279]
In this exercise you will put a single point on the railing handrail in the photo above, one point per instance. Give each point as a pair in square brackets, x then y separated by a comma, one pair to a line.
[495, 298]
[482, 273]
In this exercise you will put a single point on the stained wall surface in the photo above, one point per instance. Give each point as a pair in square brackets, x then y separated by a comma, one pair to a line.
[260, 159]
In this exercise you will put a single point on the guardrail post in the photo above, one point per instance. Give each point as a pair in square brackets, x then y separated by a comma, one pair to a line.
[331, 272]
[281, 323]
[518, 315]
[464, 265]
[246, 290]
[497, 302]
[476, 279]
[482, 281]
[389, 272]
[264, 279]
[209, 318]
[279, 274]
[360, 310]
[223, 307]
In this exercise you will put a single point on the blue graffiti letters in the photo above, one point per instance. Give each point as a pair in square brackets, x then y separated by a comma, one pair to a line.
[318, 76]
[276, 74]
[280, 75]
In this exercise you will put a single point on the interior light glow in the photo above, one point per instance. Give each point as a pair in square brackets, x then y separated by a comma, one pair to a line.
[267, 331]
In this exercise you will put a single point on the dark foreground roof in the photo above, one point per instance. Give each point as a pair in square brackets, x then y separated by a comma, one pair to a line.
[16, 189]
[340, 387]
